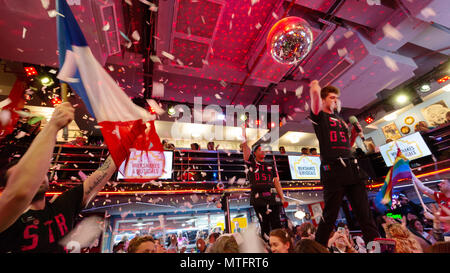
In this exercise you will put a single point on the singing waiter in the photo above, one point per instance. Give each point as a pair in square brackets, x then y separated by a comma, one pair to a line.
[339, 171]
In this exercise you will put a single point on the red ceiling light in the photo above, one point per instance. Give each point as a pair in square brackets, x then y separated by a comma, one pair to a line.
[443, 79]
[369, 119]
[56, 101]
[31, 71]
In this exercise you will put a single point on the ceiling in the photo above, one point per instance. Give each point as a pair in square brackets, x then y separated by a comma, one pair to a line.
[215, 49]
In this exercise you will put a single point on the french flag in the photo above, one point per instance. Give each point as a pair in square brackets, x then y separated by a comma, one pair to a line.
[126, 127]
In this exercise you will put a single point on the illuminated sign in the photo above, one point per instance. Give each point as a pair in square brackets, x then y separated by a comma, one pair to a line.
[304, 167]
[412, 147]
[147, 166]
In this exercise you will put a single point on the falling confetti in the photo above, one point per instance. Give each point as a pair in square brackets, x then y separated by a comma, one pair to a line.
[5, 102]
[342, 52]
[223, 83]
[348, 34]
[20, 50]
[106, 27]
[168, 55]
[330, 43]
[258, 26]
[390, 63]
[203, 19]
[427, 12]
[391, 32]
[299, 91]
[45, 3]
[374, 2]
[128, 2]
[24, 32]
[135, 35]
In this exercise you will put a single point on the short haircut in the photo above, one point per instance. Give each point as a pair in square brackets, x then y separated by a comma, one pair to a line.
[329, 89]
[307, 229]
[312, 149]
[255, 148]
[137, 241]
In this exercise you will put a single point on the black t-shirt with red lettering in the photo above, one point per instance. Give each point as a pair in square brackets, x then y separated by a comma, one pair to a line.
[261, 175]
[332, 132]
[41, 230]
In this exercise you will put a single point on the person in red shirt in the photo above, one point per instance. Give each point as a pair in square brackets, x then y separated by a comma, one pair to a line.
[442, 197]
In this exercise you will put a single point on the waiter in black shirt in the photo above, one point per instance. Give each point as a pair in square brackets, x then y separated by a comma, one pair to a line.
[339, 171]
[266, 195]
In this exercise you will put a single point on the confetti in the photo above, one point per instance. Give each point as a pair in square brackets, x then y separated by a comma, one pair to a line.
[330, 43]
[180, 62]
[82, 175]
[125, 36]
[348, 34]
[241, 181]
[205, 62]
[374, 2]
[391, 32]
[218, 96]
[52, 71]
[203, 19]
[231, 181]
[299, 91]
[390, 63]
[306, 107]
[53, 13]
[111, 68]
[20, 50]
[342, 52]
[249, 11]
[254, 2]
[274, 15]
[223, 83]
[91, 155]
[24, 31]
[427, 12]
[45, 3]
[128, 2]
[258, 26]
[5, 102]
[284, 90]
[168, 55]
[106, 27]
[135, 35]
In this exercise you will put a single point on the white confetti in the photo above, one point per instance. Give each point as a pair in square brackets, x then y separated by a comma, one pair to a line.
[374, 2]
[427, 12]
[306, 107]
[53, 13]
[274, 15]
[106, 27]
[254, 2]
[348, 34]
[45, 3]
[168, 55]
[258, 26]
[155, 59]
[180, 62]
[203, 19]
[128, 2]
[223, 83]
[391, 32]
[205, 62]
[342, 52]
[330, 43]
[91, 155]
[390, 63]
[218, 96]
[299, 91]
[249, 11]
[20, 50]
[135, 35]
[24, 32]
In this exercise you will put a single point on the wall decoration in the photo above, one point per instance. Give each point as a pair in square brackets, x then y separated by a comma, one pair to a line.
[390, 131]
[435, 114]
[405, 130]
[409, 120]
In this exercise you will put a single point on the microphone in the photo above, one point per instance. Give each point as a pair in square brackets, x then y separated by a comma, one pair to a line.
[354, 121]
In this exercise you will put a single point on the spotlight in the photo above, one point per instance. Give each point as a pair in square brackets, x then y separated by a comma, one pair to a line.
[46, 81]
[425, 88]
[443, 79]
[56, 101]
[171, 111]
[369, 119]
[401, 99]
[299, 214]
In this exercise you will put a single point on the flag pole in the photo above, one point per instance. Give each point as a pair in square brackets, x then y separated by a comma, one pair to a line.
[64, 99]
[417, 191]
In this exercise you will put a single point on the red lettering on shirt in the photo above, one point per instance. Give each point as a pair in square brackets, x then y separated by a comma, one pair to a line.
[51, 238]
[34, 238]
[61, 222]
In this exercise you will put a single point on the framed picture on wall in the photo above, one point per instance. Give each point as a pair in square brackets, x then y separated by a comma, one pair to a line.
[435, 114]
[390, 131]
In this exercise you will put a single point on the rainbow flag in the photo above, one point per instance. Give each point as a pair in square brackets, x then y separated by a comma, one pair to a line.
[400, 170]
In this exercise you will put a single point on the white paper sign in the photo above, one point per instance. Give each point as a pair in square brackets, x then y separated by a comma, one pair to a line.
[304, 167]
[412, 147]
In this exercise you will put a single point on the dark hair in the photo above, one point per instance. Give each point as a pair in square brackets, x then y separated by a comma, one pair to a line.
[283, 236]
[255, 148]
[137, 241]
[305, 227]
[215, 235]
[329, 89]
[312, 149]
[309, 246]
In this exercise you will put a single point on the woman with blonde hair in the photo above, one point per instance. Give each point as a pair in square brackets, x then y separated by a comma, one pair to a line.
[404, 240]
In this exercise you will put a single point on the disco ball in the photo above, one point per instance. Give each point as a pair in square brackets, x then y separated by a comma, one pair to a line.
[290, 40]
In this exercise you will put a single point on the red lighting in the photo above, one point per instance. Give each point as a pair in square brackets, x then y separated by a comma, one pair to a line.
[369, 119]
[443, 79]
[31, 71]
[56, 101]
[257, 122]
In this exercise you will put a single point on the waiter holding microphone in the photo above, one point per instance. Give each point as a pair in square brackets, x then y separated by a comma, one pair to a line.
[339, 172]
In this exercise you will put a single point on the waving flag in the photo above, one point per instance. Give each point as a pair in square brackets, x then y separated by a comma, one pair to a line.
[125, 126]
[400, 170]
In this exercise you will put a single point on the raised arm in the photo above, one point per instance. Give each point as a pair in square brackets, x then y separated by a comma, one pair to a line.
[97, 180]
[425, 190]
[25, 178]
[245, 148]
[314, 93]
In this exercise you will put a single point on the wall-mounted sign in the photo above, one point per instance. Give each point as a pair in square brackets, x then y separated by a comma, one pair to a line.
[304, 167]
[147, 166]
[412, 147]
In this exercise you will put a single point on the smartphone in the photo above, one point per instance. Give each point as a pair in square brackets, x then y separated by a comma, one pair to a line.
[341, 229]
